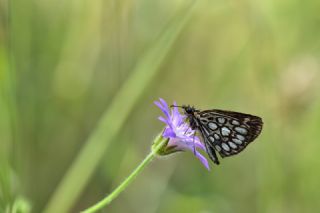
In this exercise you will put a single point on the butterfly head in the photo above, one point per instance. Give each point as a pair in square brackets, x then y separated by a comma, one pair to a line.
[188, 110]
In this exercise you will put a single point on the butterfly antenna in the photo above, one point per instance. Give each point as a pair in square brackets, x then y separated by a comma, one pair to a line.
[175, 106]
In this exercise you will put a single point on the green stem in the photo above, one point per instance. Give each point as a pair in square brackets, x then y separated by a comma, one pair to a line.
[112, 120]
[158, 144]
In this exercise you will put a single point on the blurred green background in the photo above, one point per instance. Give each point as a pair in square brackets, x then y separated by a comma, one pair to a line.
[78, 80]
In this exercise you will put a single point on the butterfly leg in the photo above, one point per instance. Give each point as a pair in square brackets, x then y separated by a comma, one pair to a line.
[212, 153]
[194, 145]
[187, 130]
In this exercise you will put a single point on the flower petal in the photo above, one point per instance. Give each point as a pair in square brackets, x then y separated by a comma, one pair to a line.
[175, 110]
[169, 133]
[158, 104]
[163, 106]
[194, 141]
[163, 120]
[164, 103]
[200, 145]
[181, 136]
[203, 160]
[178, 118]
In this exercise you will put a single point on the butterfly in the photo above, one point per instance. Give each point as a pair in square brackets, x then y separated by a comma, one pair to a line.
[226, 132]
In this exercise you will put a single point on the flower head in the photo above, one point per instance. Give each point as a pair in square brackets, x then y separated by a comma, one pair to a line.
[180, 136]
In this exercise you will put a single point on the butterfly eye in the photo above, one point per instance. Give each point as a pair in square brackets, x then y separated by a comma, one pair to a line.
[188, 109]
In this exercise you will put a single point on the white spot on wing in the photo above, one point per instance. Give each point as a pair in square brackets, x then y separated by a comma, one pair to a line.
[240, 137]
[225, 131]
[235, 122]
[237, 141]
[212, 126]
[232, 145]
[211, 139]
[216, 136]
[241, 130]
[225, 147]
[221, 120]
[218, 148]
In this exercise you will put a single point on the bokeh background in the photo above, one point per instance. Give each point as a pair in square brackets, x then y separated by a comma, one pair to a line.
[78, 80]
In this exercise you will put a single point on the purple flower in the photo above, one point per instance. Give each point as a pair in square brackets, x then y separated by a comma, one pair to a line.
[181, 136]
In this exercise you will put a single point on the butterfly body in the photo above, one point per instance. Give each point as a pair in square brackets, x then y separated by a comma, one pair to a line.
[226, 132]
